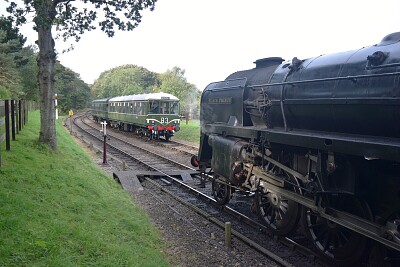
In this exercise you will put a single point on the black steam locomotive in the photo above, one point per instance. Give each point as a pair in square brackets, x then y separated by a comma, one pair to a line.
[318, 142]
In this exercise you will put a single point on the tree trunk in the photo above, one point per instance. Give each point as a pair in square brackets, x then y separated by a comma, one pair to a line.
[46, 60]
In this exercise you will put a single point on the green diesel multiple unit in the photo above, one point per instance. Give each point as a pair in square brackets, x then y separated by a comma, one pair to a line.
[153, 115]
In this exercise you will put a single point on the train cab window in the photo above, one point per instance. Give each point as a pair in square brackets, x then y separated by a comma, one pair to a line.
[154, 107]
[164, 108]
[174, 108]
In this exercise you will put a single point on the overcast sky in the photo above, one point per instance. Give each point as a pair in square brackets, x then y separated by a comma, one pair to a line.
[212, 38]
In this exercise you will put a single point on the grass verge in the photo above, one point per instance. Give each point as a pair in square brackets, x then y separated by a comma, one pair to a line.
[59, 209]
[189, 132]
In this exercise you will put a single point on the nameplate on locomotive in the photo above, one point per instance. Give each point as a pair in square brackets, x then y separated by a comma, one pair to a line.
[220, 100]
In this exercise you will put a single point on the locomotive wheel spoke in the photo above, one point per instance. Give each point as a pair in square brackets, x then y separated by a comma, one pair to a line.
[316, 225]
[321, 236]
[335, 242]
[327, 242]
[280, 216]
[278, 213]
[221, 190]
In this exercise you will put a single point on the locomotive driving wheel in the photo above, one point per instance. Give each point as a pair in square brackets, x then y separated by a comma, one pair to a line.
[280, 214]
[221, 190]
[334, 242]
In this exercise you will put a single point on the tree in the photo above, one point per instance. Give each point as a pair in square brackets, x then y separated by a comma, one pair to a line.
[29, 73]
[174, 82]
[70, 19]
[124, 80]
[72, 91]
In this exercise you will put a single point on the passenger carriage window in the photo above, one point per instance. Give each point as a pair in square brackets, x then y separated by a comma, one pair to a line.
[140, 108]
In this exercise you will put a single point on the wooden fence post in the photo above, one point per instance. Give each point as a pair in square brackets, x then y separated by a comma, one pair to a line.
[13, 119]
[2, 124]
[19, 115]
[7, 116]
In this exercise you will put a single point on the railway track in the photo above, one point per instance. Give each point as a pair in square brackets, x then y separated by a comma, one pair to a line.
[198, 198]
[176, 145]
[179, 146]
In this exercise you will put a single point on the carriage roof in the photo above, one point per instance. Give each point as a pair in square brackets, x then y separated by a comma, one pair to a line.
[144, 97]
[105, 100]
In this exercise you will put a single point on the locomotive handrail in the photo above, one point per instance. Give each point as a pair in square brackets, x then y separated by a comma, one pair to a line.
[227, 84]
[351, 78]
[383, 66]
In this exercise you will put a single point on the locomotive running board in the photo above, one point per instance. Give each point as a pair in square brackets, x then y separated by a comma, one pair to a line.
[364, 146]
[345, 219]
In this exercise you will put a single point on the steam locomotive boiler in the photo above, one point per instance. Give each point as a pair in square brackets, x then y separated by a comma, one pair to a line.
[318, 142]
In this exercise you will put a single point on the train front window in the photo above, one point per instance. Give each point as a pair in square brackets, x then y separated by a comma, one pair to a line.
[164, 108]
[154, 107]
[174, 108]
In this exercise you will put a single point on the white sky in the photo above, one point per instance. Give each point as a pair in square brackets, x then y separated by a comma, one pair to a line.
[212, 38]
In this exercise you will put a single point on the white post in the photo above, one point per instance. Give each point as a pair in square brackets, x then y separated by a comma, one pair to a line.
[104, 130]
[55, 104]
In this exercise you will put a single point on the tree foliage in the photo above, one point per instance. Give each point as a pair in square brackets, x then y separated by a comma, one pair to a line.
[13, 59]
[73, 93]
[132, 79]
[29, 73]
[70, 19]
[10, 82]
[124, 80]
[173, 81]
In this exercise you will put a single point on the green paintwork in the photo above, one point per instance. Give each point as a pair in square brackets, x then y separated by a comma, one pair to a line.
[145, 120]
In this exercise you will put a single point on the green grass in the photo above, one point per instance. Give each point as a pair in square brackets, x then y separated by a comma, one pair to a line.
[189, 132]
[59, 209]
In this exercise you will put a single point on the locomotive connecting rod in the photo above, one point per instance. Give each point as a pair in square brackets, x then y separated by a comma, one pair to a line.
[356, 224]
